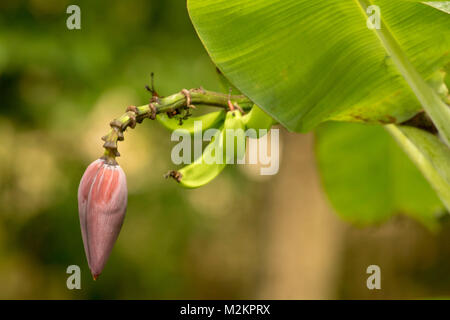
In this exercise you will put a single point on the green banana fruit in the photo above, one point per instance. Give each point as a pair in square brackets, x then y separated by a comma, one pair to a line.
[207, 167]
[257, 119]
[203, 170]
[209, 120]
[234, 136]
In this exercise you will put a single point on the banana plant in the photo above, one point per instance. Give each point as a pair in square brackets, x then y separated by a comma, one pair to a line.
[369, 77]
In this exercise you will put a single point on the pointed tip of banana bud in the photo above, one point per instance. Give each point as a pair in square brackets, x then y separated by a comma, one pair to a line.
[95, 276]
[102, 203]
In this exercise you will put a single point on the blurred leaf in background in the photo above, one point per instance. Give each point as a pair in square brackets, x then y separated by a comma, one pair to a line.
[368, 178]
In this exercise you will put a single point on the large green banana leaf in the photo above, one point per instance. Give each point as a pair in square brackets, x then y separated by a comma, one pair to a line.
[307, 61]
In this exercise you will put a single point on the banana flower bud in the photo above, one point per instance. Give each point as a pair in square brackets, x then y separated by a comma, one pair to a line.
[102, 203]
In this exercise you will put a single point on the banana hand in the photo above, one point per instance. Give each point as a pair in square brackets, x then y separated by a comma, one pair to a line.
[215, 156]
[205, 168]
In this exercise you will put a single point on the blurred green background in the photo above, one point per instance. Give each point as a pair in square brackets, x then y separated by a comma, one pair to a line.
[242, 236]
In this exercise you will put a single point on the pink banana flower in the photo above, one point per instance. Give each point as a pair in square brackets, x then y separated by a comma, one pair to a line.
[102, 203]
